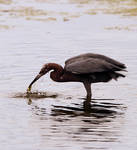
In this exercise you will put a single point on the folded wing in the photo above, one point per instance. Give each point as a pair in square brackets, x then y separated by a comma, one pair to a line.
[91, 63]
[86, 56]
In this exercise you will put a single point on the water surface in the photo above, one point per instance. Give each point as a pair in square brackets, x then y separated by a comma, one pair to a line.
[39, 31]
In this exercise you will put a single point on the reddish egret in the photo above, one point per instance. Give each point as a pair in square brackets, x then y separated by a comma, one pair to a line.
[86, 68]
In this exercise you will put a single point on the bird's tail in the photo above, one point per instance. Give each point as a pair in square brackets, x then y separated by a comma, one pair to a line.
[116, 75]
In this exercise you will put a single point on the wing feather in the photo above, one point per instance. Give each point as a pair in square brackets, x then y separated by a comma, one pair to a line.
[86, 56]
[90, 66]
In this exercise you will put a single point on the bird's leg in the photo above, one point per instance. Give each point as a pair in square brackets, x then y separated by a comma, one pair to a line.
[87, 86]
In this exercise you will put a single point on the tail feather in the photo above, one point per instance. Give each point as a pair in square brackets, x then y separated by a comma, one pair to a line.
[116, 75]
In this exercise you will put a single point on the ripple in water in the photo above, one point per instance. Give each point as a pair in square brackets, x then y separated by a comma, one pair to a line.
[34, 95]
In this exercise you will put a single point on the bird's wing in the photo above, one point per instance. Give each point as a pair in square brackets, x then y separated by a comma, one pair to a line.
[97, 56]
[90, 65]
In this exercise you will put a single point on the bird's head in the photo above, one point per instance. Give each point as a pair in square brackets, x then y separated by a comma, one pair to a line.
[46, 68]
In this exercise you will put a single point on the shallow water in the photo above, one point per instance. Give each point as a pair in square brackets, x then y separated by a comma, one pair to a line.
[36, 32]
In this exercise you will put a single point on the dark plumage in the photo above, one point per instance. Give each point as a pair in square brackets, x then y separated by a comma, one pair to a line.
[86, 68]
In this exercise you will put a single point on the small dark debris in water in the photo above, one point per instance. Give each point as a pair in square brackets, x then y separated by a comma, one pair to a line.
[34, 95]
[69, 97]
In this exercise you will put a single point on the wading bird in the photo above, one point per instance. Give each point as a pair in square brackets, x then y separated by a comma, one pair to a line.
[86, 68]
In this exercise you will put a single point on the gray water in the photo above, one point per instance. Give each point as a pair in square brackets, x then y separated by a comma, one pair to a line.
[36, 32]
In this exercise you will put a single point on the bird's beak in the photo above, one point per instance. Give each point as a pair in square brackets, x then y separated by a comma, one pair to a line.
[35, 79]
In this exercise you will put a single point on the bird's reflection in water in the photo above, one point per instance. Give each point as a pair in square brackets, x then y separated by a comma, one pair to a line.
[84, 122]
[97, 107]
[96, 122]
[86, 108]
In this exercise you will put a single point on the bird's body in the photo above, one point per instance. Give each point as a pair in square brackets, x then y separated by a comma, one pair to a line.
[86, 68]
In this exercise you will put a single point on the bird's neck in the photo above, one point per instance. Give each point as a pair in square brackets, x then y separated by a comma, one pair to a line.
[57, 71]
